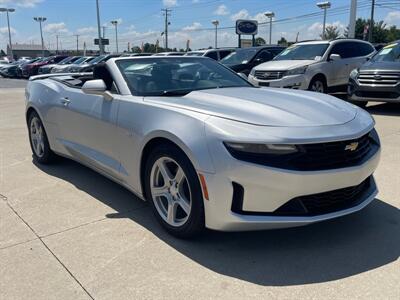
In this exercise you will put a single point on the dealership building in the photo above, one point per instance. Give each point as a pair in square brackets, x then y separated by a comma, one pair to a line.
[30, 50]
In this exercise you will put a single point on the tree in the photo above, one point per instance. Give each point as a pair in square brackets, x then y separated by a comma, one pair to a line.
[380, 34]
[282, 41]
[260, 41]
[331, 32]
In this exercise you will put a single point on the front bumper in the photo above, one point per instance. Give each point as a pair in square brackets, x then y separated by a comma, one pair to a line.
[294, 82]
[266, 189]
[376, 93]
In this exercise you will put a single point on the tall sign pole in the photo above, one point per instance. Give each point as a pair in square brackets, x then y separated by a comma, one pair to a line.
[101, 48]
[352, 21]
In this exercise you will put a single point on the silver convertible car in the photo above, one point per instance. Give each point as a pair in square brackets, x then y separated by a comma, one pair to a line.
[204, 146]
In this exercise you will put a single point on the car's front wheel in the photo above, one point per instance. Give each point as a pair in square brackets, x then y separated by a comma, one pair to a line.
[38, 140]
[318, 85]
[173, 189]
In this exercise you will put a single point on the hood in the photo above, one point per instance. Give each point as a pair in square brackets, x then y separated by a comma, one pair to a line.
[283, 65]
[380, 65]
[265, 106]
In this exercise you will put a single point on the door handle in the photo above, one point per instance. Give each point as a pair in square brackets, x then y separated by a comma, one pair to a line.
[65, 101]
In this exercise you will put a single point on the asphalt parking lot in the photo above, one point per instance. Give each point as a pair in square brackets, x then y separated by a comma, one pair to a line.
[69, 233]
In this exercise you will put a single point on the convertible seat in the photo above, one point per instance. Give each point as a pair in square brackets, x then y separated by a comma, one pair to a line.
[100, 71]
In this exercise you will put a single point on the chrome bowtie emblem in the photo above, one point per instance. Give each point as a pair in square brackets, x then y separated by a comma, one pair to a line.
[352, 146]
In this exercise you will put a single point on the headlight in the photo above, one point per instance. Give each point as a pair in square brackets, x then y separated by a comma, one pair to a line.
[252, 72]
[271, 149]
[354, 74]
[296, 71]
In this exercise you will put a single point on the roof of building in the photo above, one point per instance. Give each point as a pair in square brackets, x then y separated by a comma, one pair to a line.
[27, 47]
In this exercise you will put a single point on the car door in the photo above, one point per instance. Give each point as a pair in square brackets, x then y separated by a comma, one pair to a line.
[88, 129]
[338, 70]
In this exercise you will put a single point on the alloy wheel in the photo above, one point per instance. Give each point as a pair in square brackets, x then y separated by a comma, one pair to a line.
[170, 191]
[37, 136]
[318, 87]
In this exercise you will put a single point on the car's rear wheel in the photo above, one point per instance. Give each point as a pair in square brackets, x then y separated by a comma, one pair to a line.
[318, 85]
[173, 189]
[38, 140]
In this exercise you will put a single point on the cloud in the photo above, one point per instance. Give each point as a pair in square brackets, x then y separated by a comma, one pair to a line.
[56, 28]
[170, 3]
[315, 29]
[242, 14]
[21, 3]
[194, 26]
[4, 31]
[393, 18]
[87, 30]
[222, 10]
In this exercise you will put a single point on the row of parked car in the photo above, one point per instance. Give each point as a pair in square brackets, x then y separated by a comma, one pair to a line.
[337, 65]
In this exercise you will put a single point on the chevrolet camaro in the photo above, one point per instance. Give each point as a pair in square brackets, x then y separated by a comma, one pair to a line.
[205, 147]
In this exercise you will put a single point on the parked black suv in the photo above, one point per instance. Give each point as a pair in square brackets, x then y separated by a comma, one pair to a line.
[242, 60]
[378, 79]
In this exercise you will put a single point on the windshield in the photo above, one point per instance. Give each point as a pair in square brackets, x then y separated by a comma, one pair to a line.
[240, 56]
[389, 53]
[97, 59]
[303, 52]
[175, 76]
[66, 60]
[80, 60]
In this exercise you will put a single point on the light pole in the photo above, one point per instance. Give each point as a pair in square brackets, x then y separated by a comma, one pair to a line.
[8, 10]
[41, 20]
[270, 15]
[115, 23]
[101, 48]
[324, 6]
[216, 23]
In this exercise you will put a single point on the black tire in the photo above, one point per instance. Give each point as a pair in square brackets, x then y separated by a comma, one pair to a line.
[195, 223]
[48, 156]
[318, 84]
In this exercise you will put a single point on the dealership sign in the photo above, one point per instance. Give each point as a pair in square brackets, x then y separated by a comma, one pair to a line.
[103, 41]
[246, 27]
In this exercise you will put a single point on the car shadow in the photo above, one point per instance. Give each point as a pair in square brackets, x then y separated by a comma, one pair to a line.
[318, 253]
[385, 109]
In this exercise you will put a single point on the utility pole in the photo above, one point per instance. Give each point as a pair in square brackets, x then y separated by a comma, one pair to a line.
[8, 10]
[270, 15]
[371, 22]
[57, 43]
[324, 6]
[41, 20]
[216, 23]
[101, 49]
[77, 43]
[104, 31]
[352, 21]
[115, 23]
[166, 14]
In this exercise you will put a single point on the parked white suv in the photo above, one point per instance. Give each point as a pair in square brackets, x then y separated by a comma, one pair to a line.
[321, 66]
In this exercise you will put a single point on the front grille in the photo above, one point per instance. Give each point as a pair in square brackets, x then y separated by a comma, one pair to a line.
[332, 155]
[269, 75]
[381, 78]
[327, 202]
[377, 94]
[314, 157]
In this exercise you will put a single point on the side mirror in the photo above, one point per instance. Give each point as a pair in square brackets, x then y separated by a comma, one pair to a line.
[96, 87]
[335, 57]
[243, 76]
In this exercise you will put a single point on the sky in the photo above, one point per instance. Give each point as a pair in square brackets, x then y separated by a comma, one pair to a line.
[143, 21]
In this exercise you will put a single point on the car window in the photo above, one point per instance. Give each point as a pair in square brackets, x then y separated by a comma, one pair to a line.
[224, 53]
[275, 51]
[363, 49]
[390, 53]
[240, 56]
[303, 52]
[58, 59]
[264, 55]
[213, 55]
[176, 75]
[343, 49]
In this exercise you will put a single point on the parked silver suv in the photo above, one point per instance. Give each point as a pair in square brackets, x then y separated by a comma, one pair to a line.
[320, 66]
